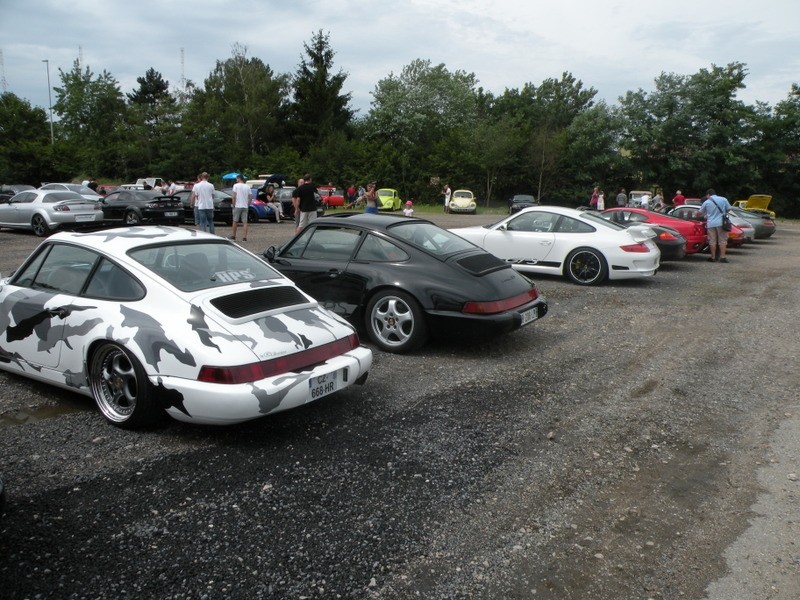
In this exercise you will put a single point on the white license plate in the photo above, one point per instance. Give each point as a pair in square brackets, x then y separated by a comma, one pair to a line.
[170, 214]
[529, 316]
[322, 385]
[84, 217]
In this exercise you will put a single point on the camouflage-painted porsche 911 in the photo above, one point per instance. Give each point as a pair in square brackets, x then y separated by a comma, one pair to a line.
[148, 320]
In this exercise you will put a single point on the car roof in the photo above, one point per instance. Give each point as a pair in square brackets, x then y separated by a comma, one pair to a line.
[120, 240]
[366, 220]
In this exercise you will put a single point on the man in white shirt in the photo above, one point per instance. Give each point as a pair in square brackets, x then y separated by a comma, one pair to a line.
[241, 206]
[203, 201]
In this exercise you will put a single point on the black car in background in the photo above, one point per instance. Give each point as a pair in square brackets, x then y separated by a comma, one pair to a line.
[8, 191]
[519, 201]
[223, 206]
[132, 207]
[402, 278]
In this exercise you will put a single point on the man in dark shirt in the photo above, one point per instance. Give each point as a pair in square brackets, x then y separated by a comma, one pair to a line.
[306, 194]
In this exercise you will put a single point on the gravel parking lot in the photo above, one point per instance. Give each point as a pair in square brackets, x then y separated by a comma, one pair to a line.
[640, 441]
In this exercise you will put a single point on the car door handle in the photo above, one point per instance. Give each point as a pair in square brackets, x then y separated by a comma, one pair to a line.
[334, 273]
[60, 312]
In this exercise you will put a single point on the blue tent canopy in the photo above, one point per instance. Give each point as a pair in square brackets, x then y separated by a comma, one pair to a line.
[231, 175]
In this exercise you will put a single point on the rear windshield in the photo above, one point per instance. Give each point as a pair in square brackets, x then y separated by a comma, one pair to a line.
[191, 267]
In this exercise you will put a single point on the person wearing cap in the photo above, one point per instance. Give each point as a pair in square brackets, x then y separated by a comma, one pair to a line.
[409, 209]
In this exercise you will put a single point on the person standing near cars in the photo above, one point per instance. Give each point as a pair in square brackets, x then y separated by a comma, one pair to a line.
[203, 200]
[241, 206]
[622, 198]
[447, 193]
[713, 209]
[679, 199]
[306, 195]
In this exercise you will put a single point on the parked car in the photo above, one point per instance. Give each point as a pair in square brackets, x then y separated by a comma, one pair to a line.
[519, 201]
[389, 199]
[670, 242]
[84, 191]
[44, 211]
[404, 279]
[7, 191]
[736, 236]
[693, 231]
[223, 202]
[148, 320]
[757, 203]
[331, 197]
[132, 207]
[463, 201]
[763, 226]
[580, 245]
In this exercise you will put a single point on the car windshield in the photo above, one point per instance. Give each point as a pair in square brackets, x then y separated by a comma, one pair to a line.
[430, 237]
[601, 220]
[522, 198]
[462, 194]
[63, 197]
[202, 265]
[81, 189]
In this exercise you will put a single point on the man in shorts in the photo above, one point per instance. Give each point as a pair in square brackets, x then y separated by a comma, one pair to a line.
[241, 206]
[713, 209]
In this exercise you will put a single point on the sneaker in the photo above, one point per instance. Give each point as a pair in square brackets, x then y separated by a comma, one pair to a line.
[723, 260]
[711, 259]
[230, 237]
[244, 239]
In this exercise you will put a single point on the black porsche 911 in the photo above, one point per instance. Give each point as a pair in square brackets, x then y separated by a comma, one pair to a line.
[404, 279]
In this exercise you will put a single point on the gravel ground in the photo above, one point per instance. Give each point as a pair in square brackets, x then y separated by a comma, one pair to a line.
[640, 441]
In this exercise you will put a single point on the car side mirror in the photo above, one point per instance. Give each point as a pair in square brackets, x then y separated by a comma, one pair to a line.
[270, 253]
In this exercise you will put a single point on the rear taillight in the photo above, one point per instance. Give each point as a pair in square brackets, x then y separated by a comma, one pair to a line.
[667, 236]
[275, 366]
[497, 306]
[61, 208]
[635, 248]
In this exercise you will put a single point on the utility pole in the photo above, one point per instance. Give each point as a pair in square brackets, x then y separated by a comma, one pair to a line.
[50, 100]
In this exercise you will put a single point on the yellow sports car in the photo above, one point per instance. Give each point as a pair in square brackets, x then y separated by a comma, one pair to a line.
[463, 201]
[757, 203]
[388, 199]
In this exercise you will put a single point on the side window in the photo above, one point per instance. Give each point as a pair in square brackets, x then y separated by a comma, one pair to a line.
[325, 243]
[63, 270]
[111, 282]
[533, 221]
[379, 250]
[570, 225]
[27, 275]
[24, 198]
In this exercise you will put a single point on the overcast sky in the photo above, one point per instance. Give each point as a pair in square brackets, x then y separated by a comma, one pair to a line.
[612, 46]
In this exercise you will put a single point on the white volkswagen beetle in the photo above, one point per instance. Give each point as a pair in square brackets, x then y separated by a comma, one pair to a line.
[153, 319]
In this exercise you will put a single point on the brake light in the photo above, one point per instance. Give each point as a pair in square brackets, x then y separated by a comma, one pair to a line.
[498, 306]
[666, 236]
[275, 366]
[635, 248]
[61, 208]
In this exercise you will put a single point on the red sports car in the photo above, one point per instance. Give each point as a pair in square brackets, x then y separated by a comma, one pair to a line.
[693, 231]
[688, 212]
[331, 196]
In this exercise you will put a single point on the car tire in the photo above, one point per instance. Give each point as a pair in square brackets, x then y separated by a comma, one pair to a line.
[395, 322]
[586, 266]
[39, 226]
[121, 389]
[252, 216]
[132, 218]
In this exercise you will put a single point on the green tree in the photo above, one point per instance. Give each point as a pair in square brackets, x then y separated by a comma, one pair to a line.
[421, 121]
[25, 148]
[319, 107]
[691, 132]
[92, 114]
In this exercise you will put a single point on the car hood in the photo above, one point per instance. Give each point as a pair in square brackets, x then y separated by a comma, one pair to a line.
[758, 202]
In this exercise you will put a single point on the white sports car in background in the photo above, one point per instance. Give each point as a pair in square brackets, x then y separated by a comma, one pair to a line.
[154, 319]
[564, 241]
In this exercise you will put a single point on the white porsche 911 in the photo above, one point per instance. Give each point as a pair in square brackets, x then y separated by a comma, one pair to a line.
[153, 319]
[564, 241]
